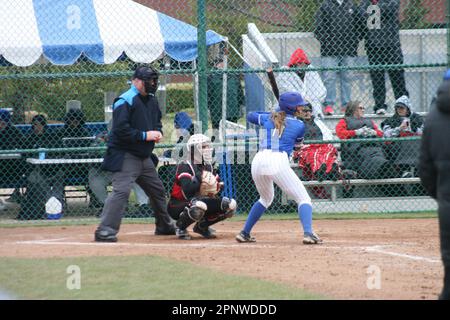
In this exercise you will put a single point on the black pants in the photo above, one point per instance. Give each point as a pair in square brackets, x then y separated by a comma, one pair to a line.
[381, 56]
[143, 172]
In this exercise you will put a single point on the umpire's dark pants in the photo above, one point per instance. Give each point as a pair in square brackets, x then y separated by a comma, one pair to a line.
[383, 56]
[143, 172]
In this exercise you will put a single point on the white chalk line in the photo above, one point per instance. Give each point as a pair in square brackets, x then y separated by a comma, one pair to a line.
[378, 249]
[373, 249]
[155, 245]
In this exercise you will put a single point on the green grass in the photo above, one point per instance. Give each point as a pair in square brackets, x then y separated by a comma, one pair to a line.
[135, 277]
[87, 221]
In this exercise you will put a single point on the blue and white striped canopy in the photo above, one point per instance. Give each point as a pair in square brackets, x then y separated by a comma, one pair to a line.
[102, 30]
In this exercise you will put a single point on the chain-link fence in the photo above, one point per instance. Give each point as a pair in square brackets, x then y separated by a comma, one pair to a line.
[369, 70]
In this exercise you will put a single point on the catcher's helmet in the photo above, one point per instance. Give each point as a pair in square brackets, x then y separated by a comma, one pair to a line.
[199, 146]
[289, 101]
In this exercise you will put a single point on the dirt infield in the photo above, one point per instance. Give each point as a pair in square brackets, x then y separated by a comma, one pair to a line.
[404, 253]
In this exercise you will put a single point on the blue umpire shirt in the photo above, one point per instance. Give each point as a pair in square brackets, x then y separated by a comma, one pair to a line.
[133, 115]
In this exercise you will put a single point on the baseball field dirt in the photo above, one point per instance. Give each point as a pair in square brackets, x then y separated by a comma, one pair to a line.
[359, 259]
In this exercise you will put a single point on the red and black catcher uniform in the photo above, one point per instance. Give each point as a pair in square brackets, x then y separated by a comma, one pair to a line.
[187, 206]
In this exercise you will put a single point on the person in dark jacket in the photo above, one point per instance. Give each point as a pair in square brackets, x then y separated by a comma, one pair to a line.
[434, 171]
[382, 43]
[43, 182]
[74, 129]
[40, 136]
[136, 128]
[336, 28]
[404, 123]
[11, 138]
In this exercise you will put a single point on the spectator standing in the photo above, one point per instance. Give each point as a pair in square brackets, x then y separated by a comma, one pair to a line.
[382, 43]
[307, 83]
[435, 171]
[336, 30]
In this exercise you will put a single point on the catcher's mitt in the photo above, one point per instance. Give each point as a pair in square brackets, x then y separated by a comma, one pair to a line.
[209, 186]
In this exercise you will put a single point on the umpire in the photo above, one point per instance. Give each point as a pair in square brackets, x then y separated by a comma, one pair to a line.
[135, 130]
[434, 170]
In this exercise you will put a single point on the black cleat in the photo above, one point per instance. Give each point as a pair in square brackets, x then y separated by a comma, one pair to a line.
[105, 236]
[165, 232]
[207, 233]
[183, 234]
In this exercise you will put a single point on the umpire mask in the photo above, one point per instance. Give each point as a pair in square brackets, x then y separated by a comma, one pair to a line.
[151, 86]
[150, 78]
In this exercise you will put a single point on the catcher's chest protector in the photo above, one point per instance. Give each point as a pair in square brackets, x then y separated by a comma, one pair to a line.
[185, 169]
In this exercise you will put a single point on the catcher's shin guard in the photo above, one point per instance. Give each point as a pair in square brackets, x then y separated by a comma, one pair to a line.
[191, 214]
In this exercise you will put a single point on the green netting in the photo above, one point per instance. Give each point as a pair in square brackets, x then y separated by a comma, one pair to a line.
[368, 53]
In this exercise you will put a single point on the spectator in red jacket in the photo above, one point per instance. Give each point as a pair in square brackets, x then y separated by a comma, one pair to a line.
[366, 158]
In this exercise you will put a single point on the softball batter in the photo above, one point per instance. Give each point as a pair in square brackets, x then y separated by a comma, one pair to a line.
[281, 133]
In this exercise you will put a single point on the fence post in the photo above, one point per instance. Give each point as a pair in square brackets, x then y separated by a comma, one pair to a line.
[109, 100]
[201, 67]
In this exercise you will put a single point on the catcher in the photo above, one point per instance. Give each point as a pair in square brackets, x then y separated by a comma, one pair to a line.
[194, 196]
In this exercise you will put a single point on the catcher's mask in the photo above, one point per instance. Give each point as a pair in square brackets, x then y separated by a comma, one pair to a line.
[200, 149]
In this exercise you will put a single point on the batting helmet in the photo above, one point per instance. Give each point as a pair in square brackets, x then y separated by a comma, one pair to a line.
[289, 101]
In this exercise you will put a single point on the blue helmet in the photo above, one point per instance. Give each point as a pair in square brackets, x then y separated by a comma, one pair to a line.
[447, 75]
[289, 101]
